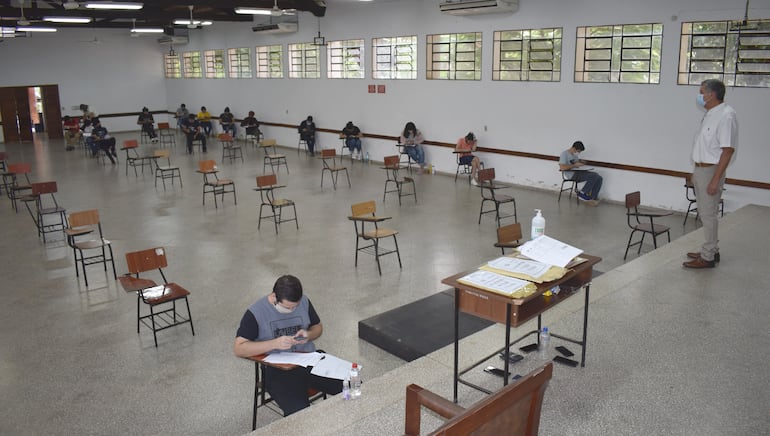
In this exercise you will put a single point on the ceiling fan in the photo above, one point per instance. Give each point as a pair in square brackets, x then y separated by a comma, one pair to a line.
[277, 12]
[70, 5]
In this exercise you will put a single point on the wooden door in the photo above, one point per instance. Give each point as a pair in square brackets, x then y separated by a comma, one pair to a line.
[52, 111]
[22, 112]
[8, 112]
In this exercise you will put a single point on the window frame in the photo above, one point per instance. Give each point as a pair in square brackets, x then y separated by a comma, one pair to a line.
[345, 59]
[239, 63]
[268, 69]
[451, 50]
[504, 66]
[301, 52]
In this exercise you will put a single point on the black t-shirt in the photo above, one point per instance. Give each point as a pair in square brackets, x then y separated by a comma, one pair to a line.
[249, 328]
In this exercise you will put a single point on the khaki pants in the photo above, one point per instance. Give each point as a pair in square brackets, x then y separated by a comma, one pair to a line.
[708, 206]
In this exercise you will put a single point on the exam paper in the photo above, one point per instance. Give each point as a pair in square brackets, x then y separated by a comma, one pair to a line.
[548, 250]
[499, 283]
[332, 367]
[531, 268]
[299, 359]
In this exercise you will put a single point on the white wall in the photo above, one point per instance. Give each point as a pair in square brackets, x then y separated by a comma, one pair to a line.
[645, 125]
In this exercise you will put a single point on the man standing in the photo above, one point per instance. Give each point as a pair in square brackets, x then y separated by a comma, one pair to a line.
[192, 129]
[569, 161]
[284, 320]
[713, 148]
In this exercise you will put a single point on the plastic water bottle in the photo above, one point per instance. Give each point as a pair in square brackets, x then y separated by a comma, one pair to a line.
[346, 389]
[355, 382]
[545, 343]
[538, 225]
[367, 157]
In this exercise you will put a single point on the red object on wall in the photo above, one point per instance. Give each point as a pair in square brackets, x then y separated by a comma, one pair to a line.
[380, 89]
[371, 89]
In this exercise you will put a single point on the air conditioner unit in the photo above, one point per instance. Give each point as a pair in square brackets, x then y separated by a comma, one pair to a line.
[276, 28]
[475, 7]
[175, 40]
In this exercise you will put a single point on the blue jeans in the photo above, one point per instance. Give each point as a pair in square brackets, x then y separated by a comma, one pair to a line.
[416, 153]
[593, 183]
[353, 144]
[229, 128]
[206, 125]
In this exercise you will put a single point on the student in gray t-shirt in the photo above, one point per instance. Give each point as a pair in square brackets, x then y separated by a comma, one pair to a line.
[569, 162]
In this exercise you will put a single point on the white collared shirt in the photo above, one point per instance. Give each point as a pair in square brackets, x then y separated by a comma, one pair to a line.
[718, 130]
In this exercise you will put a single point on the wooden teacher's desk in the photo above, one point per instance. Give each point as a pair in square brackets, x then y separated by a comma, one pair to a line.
[513, 312]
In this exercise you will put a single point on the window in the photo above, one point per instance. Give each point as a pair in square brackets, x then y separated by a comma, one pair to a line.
[394, 58]
[172, 66]
[239, 61]
[192, 65]
[270, 62]
[454, 56]
[215, 64]
[527, 55]
[345, 59]
[622, 53]
[736, 53]
[304, 60]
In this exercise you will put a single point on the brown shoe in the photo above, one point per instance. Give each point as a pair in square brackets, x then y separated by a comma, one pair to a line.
[699, 263]
[696, 254]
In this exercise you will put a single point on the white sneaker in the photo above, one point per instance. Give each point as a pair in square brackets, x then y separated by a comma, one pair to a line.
[155, 139]
[474, 182]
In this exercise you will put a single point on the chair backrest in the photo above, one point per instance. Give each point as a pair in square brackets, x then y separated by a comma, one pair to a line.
[509, 233]
[391, 161]
[268, 142]
[268, 180]
[19, 168]
[513, 410]
[164, 126]
[44, 188]
[162, 153]
[130, 143]
[146, 260]
[207, 165]
[633, 200]
[225, 137]
[486, 175]
[328, 153]
[365, 208]
[83, 218]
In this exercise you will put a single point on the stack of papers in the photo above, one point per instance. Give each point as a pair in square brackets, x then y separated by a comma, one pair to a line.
[324, 365]
[550, 251]
[499, 284]
[525, 269]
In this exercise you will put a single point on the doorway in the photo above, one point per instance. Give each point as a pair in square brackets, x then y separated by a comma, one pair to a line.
[24, 109]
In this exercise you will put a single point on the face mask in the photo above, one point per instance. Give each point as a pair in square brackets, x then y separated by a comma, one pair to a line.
[699, 99]
[282, 309]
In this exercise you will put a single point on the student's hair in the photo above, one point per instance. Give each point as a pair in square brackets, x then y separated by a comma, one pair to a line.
[578, 145]
[251, 113]
[144, 109]
[227, 109]
[287, 288]
[182, 105]
[203, 108]
[470, 137]
[715, 86]
[410, 127]
[310, 118]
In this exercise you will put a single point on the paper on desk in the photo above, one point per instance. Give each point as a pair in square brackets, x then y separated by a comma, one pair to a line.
[499, 284]
[300, 359]
[332, 367]
[548, 250]
[520, 267]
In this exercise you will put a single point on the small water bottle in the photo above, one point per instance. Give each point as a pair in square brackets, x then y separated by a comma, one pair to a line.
[545, 342]
[367, 157]
[346, 389]
[355, 382]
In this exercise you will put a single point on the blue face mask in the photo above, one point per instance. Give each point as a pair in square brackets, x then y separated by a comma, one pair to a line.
[699, 99]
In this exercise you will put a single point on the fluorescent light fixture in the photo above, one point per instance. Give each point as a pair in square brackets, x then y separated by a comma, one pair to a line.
[115, 5]
[35, 29]
[194, 22]
[252, 11]
[147, 30]
[68, 19]
[7, 30]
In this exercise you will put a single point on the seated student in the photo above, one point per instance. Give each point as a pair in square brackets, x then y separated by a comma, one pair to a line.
[147, 122]
[569, 160]
[101, 140]
[412, 138]
[72, 133]
[181, 115]
[252, 125]
[353, 139]
[193, 131]
[204, 118]
[227, 121]
[284, 320]
[467, 145]
[306, 131]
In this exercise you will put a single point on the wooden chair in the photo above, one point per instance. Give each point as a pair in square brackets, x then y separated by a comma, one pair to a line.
[212, 184]
[362, 213]
[167, 171]
[508, 236]
[14, 185]
[404, 158]
[572, 185]
[301, 143]
[392, 166]
[489, 194]
[266, 185]
[689, 193]
[512, 411]
[634, 219]
[462, 168]
[86, 224]
[153, 295]
[166, 134]
[45, 205]
[272, 157]
[230, 149]
[329, 158]
[133, 159]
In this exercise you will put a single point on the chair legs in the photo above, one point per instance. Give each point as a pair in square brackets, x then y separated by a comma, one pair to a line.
[334, 175]
[571, 189]
[377, 253]
[172, 320]
[99, 258]
[641, 241]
